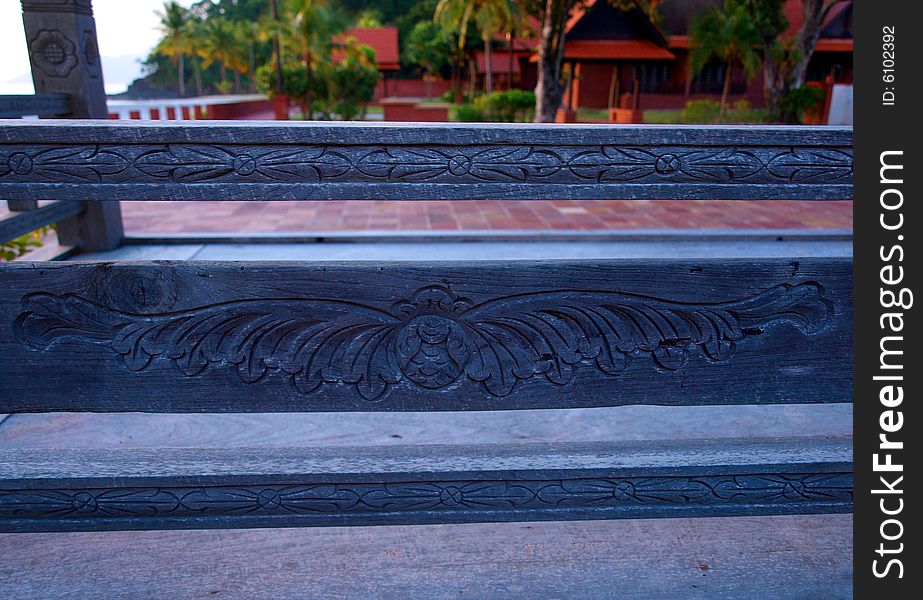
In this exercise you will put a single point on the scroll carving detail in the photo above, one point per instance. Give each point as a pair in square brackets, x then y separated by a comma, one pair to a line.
[432, 340]
[513, 164]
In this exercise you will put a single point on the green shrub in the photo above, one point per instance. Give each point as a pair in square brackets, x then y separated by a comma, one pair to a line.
[702, 111]
[469, 113]
[19, 246]
[449, 96]
[508, 106]
[802, 99]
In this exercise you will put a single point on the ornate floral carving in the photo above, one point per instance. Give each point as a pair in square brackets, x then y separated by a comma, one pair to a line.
[189, 164]
[91, 54]
[53, 52]
[70, 163]
[433, 340]
[505, 163]
[440, 496]
[512, 164]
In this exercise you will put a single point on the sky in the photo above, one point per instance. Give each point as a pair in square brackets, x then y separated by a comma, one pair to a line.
[126, 29]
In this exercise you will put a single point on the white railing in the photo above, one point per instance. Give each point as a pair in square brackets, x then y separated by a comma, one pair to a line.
[181, 109]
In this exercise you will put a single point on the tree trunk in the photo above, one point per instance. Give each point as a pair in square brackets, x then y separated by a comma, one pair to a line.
[549, 90]
[726, 88]
[251, 66]
[779, 78]
[815, 11]
[428, 78]
[509, 59]
[197, 75]
[236, 81]
[489, 76]
[223, 71]
[457, 83]
[182, 76]
[308, 104]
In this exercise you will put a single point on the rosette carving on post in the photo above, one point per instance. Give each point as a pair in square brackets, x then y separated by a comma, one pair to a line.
[432, 340]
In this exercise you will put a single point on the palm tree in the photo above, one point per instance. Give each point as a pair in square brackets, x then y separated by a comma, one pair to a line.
[727, 35]
[489, 16]
[312, 27]
[251, 32]
[220, 44]
[174, 24]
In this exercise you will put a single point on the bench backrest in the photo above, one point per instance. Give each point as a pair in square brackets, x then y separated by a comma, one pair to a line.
[429, 335]
[423, 335]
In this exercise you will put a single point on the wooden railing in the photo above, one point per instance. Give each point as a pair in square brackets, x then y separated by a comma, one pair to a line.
[67, 74]
[427, 335]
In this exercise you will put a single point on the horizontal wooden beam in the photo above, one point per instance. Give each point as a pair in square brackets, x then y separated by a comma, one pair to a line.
[72, 490]
[21, 223]
[406, 336]
[310, 161]
[41, 105]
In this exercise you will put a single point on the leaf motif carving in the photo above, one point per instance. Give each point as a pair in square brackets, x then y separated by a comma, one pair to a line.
[725, 165]
[403, 163]
[806, 165]
[187, 163]
[78, 163]
[434, 496]
[611, 163]
[432, 340]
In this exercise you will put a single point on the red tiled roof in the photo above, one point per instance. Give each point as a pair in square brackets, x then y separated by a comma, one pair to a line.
[381, 39]
[615, 50]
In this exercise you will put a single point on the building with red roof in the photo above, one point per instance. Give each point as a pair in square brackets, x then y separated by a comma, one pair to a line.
[621, 60]
[383, 40]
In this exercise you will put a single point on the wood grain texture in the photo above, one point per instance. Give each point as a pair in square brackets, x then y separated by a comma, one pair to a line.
[783, 557]
[286, 430]
[64, 55]
[20, 205]
[42, 105]
[288, 336]
[409, 162]
[66, 490]
[30, 220]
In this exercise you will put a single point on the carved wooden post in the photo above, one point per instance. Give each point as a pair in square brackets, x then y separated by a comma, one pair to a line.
[61, 35]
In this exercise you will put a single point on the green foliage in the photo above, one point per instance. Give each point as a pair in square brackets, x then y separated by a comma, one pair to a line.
[510, 106]
[701, 111]
[507, 106]
[19, 246]
[449, 96]
[802, 99]
[350, 84]
[708, 112]
[343, 89]
[469, 113]
[294, 80]
[429, 46]
[728, 35]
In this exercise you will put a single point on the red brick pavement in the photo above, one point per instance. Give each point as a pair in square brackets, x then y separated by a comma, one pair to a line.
[253, 217]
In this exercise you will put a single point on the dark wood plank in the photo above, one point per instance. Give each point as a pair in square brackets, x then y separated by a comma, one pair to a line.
[195, 488]
[27, 221]
[307, 161]
[21, 205]
[290, 336]
[42, 105]
[68, 28]
[781, 557]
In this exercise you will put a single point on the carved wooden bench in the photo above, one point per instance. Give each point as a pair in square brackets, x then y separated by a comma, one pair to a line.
[421, 336]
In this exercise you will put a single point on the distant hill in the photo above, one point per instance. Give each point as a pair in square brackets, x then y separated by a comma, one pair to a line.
[118, 71]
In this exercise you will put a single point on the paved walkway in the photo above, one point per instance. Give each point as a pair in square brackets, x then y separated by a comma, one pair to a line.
[250, 217]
